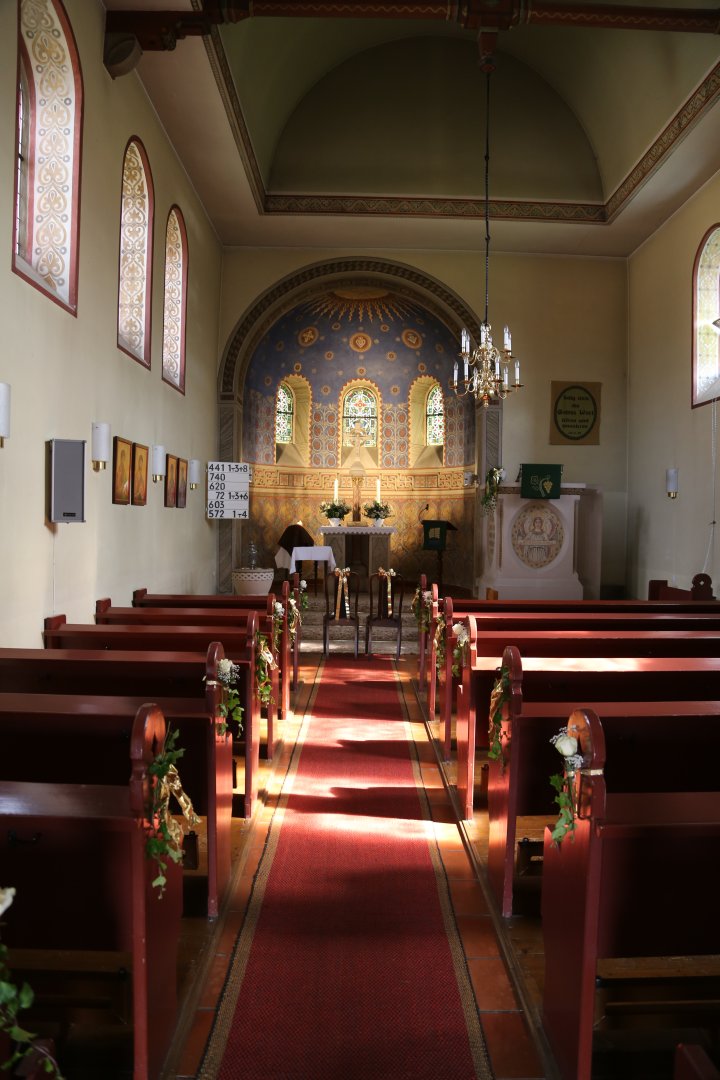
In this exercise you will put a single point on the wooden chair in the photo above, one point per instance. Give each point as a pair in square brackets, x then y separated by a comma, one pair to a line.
[336, 611]
[380, 613]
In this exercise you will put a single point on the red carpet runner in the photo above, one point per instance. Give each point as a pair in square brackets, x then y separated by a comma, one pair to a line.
[349, 966]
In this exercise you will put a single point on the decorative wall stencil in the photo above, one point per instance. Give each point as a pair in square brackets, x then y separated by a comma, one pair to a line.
[135, 254]
[358, 302]
[324, 437]
[455, 449]
[259, 429]
[173, 356]
[360, 342]
[53, 115]
[395, 437]
[412, 339]
[307, 337]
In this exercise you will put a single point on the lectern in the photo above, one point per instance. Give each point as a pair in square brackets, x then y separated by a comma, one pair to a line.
[434, 539]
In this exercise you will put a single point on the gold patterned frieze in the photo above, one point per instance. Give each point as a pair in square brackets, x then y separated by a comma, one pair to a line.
[271, 478]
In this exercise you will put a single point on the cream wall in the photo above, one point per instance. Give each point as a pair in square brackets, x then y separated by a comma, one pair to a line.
[568, 319]
[669, 538]
[66, 372]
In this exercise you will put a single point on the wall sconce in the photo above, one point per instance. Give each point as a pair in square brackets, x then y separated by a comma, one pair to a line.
[4, 412]
[194, 468]
[100, 446]
[158, 463]
[671, 483]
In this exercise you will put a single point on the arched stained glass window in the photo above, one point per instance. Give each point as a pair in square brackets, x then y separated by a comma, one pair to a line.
[175, 300]
[360, 415]
[136, 218]
[706, 317]
[435, 417]
[284, 414]
[48, 143]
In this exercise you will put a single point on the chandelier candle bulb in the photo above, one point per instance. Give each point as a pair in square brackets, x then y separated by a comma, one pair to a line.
[455, 374]
[508, 347]
[464, 341]
[467, 369]
[517, 372]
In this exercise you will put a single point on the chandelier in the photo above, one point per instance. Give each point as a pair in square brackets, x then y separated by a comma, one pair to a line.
[486, 373]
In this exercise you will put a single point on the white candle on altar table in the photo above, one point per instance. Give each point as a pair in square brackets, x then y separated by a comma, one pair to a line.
[377, 490]
[335, 490]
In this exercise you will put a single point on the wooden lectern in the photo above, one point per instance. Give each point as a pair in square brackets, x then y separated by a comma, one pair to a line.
[434, 539]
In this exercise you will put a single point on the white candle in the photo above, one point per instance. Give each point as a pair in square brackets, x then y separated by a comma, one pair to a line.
[335, 491]
[508, 345]
[377, 490]
[506, 378]
[465, 340]
[517, 372]
[455, 374]
[467, 369]
[483, 333]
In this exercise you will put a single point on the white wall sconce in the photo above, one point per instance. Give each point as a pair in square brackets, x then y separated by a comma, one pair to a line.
[671, 483]
[4, 412]
[158, 463]
[194, 470]
[100, 446]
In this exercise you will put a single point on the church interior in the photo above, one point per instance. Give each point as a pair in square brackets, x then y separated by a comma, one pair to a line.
[285, 236]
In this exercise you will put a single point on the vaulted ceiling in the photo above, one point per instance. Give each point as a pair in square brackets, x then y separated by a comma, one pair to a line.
[299, 125]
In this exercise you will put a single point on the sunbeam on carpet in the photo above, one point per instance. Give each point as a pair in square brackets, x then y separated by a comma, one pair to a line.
[348, 966]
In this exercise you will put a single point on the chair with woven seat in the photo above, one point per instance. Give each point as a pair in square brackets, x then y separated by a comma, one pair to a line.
[342, 595]
[382, 613]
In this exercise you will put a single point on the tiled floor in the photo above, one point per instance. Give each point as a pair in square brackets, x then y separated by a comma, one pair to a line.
[512, 1050]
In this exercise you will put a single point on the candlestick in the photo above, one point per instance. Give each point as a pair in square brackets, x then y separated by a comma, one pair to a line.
[377, 490]
[335, 491]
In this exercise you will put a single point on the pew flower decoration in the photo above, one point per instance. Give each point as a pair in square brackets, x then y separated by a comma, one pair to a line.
[493, 479]
[228, 673]
[462, 637]
[13, 1000]
[421, 606]
[264, 664]
[165, 837]
[278, 620]
[294, 618]
[439, 641]
[377, 511]
[498, 699]
[564, 786]
[304, 598]
[333, 509]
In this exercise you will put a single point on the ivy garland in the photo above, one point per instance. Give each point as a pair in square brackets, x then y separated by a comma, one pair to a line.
[264, 663]
[460, 648]
[304, 598]
[440, 643]
[420, 606]
[164, 839]
[498, 699]
[294, 619]
[13, 1000]
[564, 787]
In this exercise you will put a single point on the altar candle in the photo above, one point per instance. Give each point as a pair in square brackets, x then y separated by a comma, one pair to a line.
[335, 491]
[377, 490]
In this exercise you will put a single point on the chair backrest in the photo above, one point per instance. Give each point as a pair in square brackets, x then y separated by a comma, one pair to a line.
[379, 596]
[333, 583]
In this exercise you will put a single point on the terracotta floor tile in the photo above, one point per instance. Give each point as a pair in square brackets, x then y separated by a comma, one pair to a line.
[491, 983]
[477, 935]
[230, 931]
[511, 1051]
[457, 865]
[195, 1043]
[214, 982]
[468, 898]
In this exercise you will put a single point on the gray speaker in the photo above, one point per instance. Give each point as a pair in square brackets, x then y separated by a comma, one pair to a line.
[66, 466]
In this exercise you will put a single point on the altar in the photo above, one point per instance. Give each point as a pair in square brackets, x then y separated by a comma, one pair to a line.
[548, 549]
[362, 548]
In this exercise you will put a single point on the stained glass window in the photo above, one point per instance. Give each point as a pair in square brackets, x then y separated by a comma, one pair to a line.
[706, 352]
[360, 412]
[135, 254]
[435, 417]
[284, 413]
[173, 361]
[48, 141]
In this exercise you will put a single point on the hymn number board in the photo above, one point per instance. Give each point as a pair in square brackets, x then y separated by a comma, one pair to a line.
[228, 489]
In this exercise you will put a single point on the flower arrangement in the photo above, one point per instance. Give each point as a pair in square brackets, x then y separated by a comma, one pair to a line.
[333, 509]
[304, 599]
[278, 620]
[230, 707]
[13, 1000]
[421, 606]
[439, 642]
[564, 786]
[493, 479]
[165, 836]
[264, 663]
[499, 697]
[377, 511]
[462, 637]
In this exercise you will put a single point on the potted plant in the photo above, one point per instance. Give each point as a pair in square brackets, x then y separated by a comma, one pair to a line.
[335, 511]
[377, 511]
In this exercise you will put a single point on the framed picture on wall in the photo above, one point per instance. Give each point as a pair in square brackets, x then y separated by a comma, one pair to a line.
[122, 458]
[182, 475]
[171, 463]
[139, 474]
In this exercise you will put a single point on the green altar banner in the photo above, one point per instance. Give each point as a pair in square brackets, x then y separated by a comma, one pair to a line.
[540, 481]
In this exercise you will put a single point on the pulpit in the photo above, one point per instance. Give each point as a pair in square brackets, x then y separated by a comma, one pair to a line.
[546, 549]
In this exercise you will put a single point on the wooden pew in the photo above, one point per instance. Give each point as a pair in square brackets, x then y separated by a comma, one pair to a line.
[642, 737]
[76, 855]
[148, 674]
[598, 678]
[693, 1063]
[575, 616]
[219, 621]
[288, 589]
[632, 896]
[701, 589]
[423, 633]
[81, 738]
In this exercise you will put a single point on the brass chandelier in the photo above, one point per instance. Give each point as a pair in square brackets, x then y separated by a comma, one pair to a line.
[486, 368]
